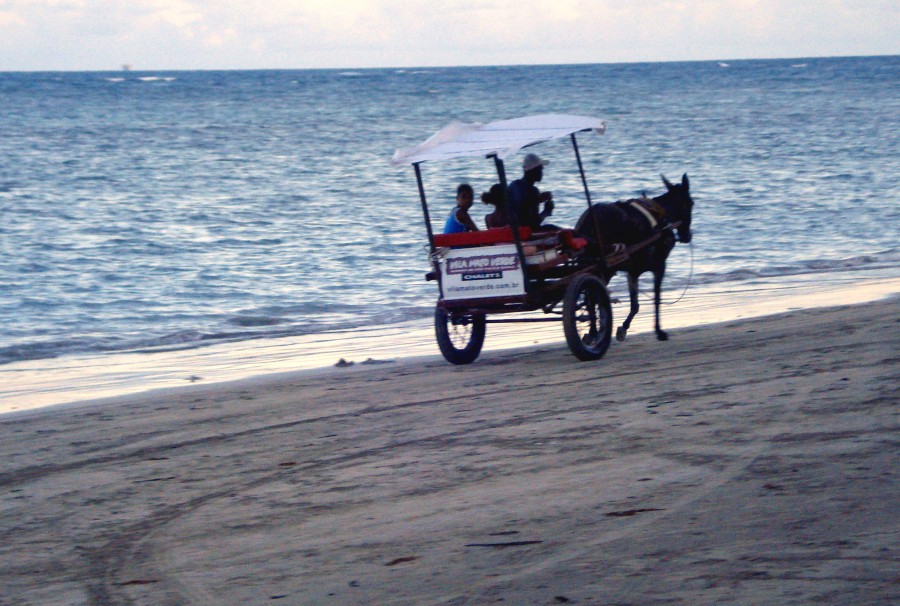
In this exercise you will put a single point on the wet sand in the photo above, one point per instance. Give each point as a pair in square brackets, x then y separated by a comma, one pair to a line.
[745, 463]
[33, 384]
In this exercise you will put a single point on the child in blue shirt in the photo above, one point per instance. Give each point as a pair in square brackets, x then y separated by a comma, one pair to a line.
[459, 219]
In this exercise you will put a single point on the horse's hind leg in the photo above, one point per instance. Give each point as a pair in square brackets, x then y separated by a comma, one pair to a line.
[635, 306]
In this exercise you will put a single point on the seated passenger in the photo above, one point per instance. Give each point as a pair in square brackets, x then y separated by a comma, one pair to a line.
[459, 219]
[495, 198]
[524, 198]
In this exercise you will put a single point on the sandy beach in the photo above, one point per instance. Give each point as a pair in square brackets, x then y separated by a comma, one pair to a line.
[752, 462]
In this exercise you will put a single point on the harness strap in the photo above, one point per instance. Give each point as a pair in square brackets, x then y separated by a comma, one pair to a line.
[636, 204]
[644, 243]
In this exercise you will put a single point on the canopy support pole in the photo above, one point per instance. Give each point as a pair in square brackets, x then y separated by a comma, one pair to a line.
[434, 262]
[590, 204]
[424, 206]
[513, 217]
[587, 192]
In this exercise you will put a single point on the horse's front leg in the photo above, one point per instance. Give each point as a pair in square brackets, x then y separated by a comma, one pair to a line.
[635, 306]
[657, 296]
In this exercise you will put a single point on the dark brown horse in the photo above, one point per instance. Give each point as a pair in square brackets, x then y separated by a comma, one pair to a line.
[632, 222]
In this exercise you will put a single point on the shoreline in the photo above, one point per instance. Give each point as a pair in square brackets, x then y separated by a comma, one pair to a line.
[745, 462]
[80, 379]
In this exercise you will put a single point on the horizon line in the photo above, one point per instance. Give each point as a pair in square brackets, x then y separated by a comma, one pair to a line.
[448, 66]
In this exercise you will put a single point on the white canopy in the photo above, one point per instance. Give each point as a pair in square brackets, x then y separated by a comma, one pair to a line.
[459, 139]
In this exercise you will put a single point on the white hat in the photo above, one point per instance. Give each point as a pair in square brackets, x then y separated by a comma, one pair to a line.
[533, 161]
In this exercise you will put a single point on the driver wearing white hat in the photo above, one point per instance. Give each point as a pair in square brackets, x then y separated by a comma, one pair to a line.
[524, 198]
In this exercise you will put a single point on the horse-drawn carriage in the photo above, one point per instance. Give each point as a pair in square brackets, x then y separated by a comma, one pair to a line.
[562, 272]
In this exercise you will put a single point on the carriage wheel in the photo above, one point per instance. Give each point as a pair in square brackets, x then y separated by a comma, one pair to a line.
[587, 317]
[460, 337]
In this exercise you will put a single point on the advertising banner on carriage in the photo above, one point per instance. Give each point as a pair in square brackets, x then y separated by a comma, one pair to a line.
[488, 271]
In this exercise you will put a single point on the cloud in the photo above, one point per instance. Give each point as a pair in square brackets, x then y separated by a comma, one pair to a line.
[178, 13]
[10, 19]
[235, 34]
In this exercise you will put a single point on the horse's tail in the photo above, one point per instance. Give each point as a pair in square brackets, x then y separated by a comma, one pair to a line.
[598, 225]
[585, 226]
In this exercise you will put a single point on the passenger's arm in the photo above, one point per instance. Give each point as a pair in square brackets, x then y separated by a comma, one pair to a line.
[463, 217]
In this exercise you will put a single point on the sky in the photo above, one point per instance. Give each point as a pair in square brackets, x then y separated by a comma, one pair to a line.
[63, 35]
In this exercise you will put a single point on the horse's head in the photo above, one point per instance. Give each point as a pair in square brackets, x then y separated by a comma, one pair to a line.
[678, 204]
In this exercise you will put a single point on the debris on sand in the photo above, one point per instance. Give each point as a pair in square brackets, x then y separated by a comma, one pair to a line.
[374, 361]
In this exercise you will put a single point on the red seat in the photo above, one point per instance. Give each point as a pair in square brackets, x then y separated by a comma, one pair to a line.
[495, 235]
[571, 241]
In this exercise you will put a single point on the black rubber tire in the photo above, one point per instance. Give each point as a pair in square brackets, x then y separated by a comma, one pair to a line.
[460, 338]
[587, 317]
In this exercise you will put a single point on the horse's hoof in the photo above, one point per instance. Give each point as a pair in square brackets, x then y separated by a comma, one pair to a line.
[662, 335]
[620, 334]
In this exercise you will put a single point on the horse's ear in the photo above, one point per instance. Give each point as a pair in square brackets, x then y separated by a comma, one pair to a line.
[666, 182]
[684, 182]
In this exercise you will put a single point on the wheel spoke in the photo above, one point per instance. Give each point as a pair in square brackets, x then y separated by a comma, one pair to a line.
[587, 320]
[459, 337]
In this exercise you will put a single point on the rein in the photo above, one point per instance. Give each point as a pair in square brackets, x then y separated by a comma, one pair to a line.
[669, 227]
[690, 278]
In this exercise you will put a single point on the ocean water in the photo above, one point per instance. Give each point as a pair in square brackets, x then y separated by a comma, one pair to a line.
[145, 211]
